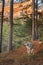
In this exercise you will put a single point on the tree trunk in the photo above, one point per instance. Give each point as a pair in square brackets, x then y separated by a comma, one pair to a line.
[34, 20]
[1, 24]
[11, 25]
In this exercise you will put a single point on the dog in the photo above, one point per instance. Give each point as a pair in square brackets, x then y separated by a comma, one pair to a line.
[30, 47]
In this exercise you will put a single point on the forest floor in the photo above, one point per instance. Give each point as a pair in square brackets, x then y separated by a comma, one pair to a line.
[20, 56]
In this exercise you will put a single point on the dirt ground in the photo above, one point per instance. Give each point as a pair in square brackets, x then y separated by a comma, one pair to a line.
[20, 56]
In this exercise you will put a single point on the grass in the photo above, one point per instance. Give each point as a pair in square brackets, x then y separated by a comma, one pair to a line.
[18, 39]
[20, 32]
[18, 36]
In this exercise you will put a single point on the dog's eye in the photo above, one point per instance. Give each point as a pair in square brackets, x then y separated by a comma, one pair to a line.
[27, 44]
